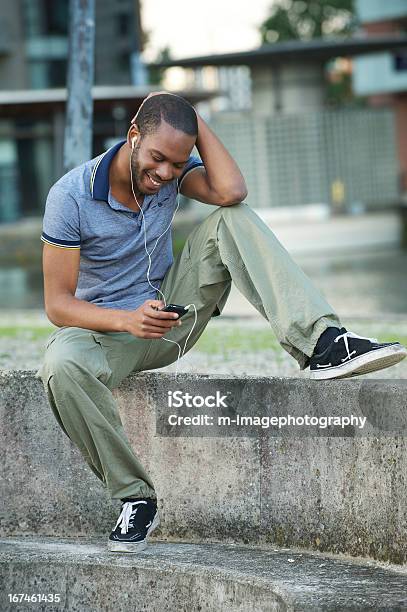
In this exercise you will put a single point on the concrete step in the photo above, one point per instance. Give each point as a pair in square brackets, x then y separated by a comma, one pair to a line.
[341, 490]
[183, 577]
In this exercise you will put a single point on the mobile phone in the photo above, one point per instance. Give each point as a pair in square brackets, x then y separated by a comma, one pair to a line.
[180, 310]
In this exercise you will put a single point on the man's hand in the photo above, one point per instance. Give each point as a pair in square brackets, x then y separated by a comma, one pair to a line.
[148, 322]
[220, 181]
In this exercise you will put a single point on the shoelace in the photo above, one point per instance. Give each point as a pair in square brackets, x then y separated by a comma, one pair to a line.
[345, 337]
[127, 513]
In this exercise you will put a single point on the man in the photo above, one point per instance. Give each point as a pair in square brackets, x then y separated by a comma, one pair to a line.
[108, 257]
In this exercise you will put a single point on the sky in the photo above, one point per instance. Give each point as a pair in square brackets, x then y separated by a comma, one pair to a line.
[192, 27]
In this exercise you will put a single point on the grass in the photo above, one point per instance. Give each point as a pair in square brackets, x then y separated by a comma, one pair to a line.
[253, 340]
[214, 340]
[177, 244]
[394, 338]
[227, 339]
[25, 332]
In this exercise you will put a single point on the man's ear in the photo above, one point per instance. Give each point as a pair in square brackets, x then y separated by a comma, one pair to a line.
[133, 135]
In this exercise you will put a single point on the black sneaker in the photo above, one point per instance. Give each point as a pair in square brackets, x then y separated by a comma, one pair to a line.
[352, 355]
[138, 518]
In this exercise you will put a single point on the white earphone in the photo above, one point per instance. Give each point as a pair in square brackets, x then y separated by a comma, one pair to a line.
[180, 351]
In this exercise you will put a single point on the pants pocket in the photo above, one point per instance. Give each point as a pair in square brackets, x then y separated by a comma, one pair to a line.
[104, 373]
[52, 337]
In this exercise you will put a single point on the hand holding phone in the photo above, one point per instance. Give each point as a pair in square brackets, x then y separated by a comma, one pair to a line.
[180, 310]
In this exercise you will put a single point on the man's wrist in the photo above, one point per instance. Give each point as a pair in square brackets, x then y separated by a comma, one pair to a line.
[123, 321]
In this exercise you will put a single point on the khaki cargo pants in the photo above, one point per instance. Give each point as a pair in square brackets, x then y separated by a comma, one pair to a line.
[82, 366]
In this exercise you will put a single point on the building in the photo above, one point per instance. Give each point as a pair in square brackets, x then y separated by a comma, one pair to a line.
[294, 149]
[288, 76]
[33, 68]
[34, 43]
[383, 76]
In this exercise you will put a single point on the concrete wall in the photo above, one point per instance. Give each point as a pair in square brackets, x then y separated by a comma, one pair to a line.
[13, 69]
[377, 10]
[287, 88]
[342, 493]
[376, 74]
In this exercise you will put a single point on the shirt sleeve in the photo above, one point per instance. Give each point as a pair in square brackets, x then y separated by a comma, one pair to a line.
[61, 225]
[192, 163]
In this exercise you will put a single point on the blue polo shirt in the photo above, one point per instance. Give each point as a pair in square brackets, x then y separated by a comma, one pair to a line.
[81, 213]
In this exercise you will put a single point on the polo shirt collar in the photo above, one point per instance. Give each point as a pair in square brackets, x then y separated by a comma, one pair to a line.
[99, 180]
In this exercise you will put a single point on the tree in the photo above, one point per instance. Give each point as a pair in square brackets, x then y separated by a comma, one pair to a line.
[156, 74]
[306, 19]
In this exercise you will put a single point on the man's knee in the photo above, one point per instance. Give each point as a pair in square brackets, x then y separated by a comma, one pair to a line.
[235, 212]
[65, 353]
[73, 352]
[59, 363]
[231, 209]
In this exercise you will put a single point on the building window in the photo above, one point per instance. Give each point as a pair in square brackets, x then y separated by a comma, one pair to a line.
[46, 17]
[55, 16]
[123, 24]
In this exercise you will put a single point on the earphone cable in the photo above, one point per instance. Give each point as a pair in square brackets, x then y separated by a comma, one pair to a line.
[180, 354]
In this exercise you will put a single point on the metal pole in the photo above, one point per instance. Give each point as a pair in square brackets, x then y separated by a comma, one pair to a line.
[139, 74]
[79, 108]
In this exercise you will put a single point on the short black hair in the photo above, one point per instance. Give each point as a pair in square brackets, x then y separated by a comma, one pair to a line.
[172, 109]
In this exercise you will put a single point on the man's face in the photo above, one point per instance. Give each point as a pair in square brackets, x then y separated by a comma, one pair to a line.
[160, 157]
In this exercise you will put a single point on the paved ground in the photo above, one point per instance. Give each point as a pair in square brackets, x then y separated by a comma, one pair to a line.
[276, 579]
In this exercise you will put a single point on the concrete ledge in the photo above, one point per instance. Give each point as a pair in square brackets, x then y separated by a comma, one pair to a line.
[337, 494]
[186, 577]
[332, 235]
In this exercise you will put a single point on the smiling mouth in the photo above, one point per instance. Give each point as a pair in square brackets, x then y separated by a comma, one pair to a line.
[153, 182]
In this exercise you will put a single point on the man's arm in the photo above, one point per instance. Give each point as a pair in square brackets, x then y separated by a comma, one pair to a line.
[220, 182]
[61, 270]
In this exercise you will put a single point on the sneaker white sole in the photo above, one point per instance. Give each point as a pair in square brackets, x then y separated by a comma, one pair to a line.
[369, 362]
[133, 547]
